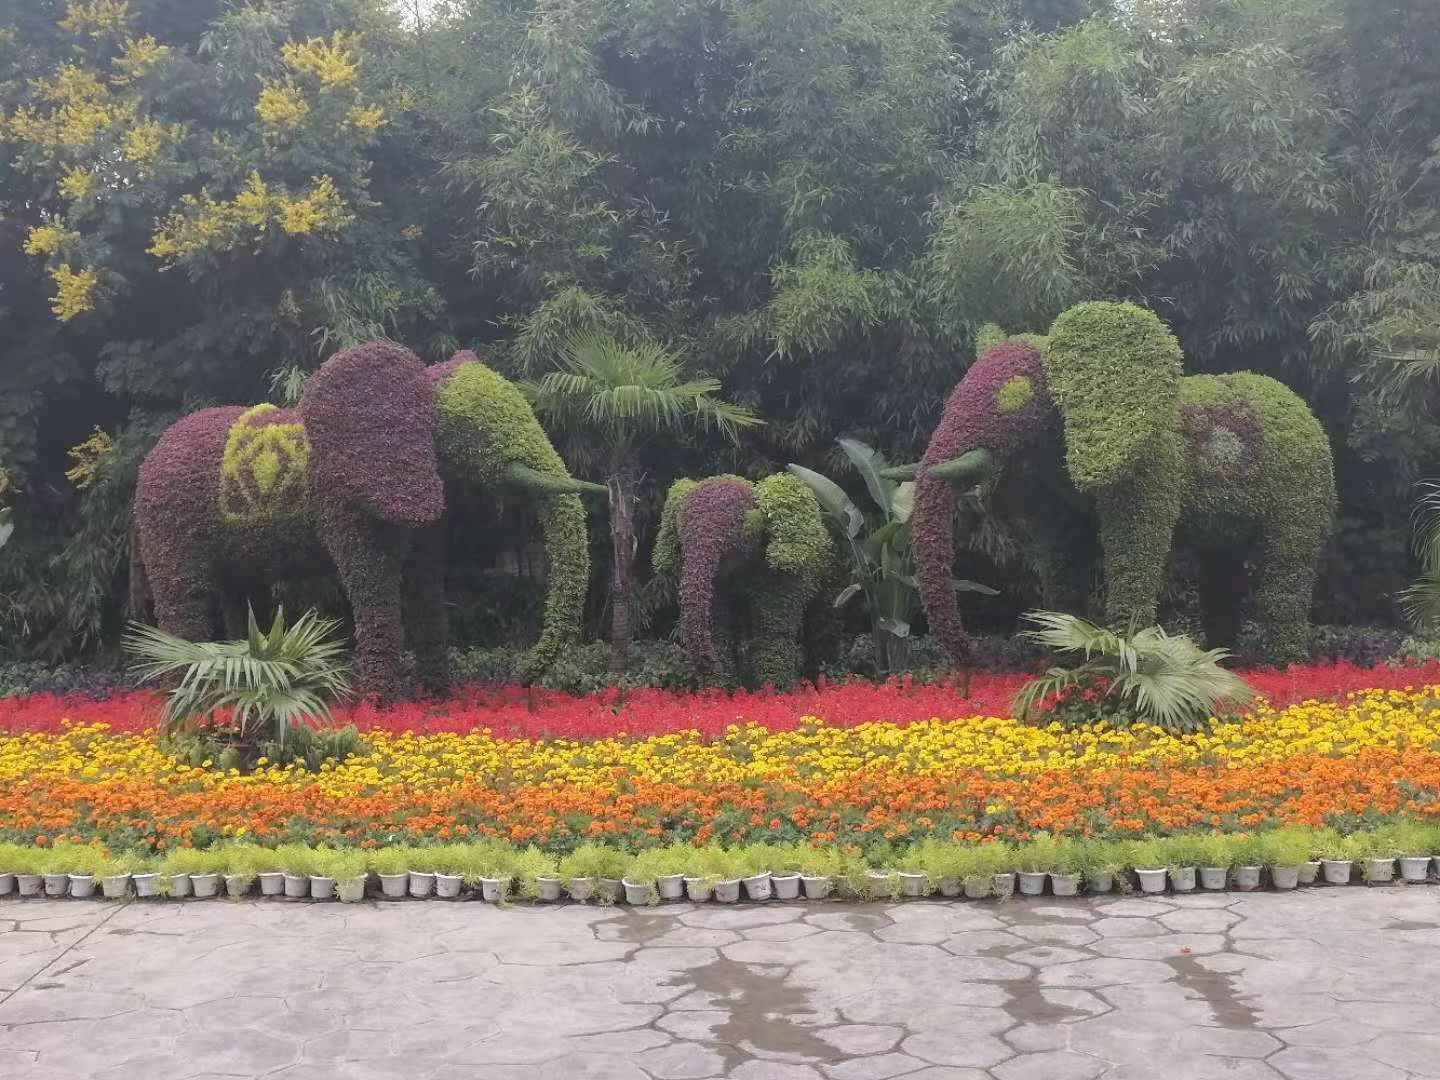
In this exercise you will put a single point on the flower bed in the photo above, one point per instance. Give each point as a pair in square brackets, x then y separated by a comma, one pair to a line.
[1364, 759]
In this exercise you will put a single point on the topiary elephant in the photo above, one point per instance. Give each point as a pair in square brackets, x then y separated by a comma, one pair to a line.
[1238, 462]
[230, 500]
[766, 547]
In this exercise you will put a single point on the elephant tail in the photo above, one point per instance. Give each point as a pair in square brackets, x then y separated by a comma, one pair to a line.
[712, 523]
[933, 537]
[141, 601]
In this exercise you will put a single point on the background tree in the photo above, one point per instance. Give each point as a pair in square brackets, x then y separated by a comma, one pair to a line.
[622, 396]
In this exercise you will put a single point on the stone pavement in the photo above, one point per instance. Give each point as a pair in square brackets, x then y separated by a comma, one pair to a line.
[1324, 984]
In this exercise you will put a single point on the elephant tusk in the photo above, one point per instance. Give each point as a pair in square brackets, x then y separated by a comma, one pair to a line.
[546, 484]
[901, 472]
[972, 467]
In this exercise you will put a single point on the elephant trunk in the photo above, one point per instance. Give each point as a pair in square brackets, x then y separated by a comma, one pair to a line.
[711, 530]
[567, 546]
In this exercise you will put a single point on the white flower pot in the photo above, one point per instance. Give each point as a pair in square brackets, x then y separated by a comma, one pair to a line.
[881, 883]
[757, 886]
[1100, 882]
[1285, 877]
[1182, 878]
[113, 886]
[1379, 871]
[581, 887]
[949, 887]
[1004, 886]
[670, 886]
[787, 886]
[1065, 884]
[205, 886]
[494, 889]
[297, 886]
[7, 884]
[547, 887]
[237, 885]
[181, 885]
[1336, 871]
[447, 886]
[1214, 877]
[610, 889]
[394, 886]
[1247, 878]
[145, 884]
[321, 887]
[914, 885]
[272, 883]
[727, 892]
[699, 889]
[639, 893]
[817, 887]
[979, 887]
[1414, 867]
[352, 891]
[82, 886]
[1152, 881]
[422, 883]
[56, 884]
[1309, 871]
[29, 884]
[1032, 882]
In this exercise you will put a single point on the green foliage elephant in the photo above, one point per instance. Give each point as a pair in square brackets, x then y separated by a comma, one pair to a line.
[1237, 463]
[230, 500]
[748, 557]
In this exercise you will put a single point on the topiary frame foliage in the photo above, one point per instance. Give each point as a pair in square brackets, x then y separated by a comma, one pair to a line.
[766, 545]
[230, 500]
[1236, 463]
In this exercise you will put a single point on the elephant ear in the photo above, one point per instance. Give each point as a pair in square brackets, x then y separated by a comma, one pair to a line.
[798, 540]
[1114, 371]
[369, 415]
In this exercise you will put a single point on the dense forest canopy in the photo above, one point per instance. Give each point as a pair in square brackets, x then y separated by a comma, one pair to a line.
[818, 202]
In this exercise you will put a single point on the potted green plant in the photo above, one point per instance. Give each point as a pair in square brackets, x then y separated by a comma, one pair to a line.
[1148, 859]
[1414, 842]
[238, 866]
[183, 866]
[1284, 851]
[655, 874]
[296, 862]
[322, 875]
[1337, 856]
[143, 876]
[785, 871]
[347, 868]
[595, 870]
[392, 866]
[818, 867]
[1246, 856]
[25, 862]
[422, 872]
[494, 868]
[755, 871]
[449, 861]
[1035, 861]
[1002, 868]
[537, 874]
[9, 862]
[974, 865]
[1182, 858]
[55, 865]
[916, 880]
[1102, 863]
[1067, 859]
[83, 865]
[1212, 856]
[728, 868]
[271, 877]
[701, 876]
[1376, 852]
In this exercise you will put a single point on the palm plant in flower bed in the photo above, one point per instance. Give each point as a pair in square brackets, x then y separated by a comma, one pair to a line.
[1140, 675]
[252, 692]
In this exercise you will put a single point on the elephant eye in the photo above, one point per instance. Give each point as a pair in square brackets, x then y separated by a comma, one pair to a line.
[1015, 394]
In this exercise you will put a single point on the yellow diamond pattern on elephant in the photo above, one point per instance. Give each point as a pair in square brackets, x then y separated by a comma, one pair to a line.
[263, 474]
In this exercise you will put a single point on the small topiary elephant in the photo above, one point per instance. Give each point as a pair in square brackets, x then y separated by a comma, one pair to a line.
[764, 546]
[1237, 461]
[230, 500]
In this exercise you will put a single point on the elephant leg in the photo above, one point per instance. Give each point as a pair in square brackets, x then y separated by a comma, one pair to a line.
[1137, 527]
[369, 558]
[1284, 581]
[184, 594]
[777, 611]
[427, 624]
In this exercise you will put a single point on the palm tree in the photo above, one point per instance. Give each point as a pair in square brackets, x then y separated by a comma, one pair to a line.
[1143, 674]
[1422, 599]
[623, 395]
[272, 681]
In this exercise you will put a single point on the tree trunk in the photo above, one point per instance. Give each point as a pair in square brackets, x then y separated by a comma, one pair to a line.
[621, 489]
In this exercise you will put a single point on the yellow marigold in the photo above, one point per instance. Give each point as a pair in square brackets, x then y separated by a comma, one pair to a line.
[75, 184]
[142, 142]
[140, 56]
[282, 105]
[365, 117]
[96, 17]
[48, 238]
[333, 62]
[73, 292]
[87, 457]
[322, 208]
